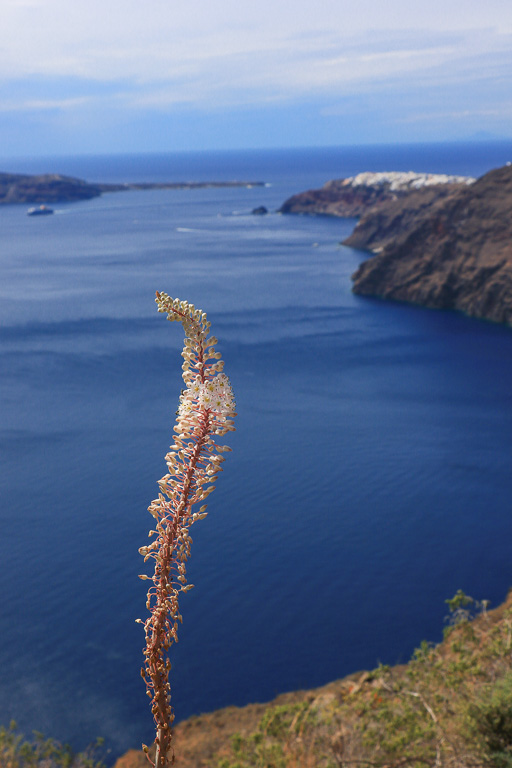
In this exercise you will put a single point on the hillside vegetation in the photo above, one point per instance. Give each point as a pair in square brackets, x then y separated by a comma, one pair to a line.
[449, 707]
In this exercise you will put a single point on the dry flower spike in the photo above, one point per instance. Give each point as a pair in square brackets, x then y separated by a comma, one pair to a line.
[206, 410]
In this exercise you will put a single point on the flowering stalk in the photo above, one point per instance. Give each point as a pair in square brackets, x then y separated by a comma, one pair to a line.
[206, 410]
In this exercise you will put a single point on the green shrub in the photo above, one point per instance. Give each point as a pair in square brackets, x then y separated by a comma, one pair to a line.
[16, 752]
[491, 717]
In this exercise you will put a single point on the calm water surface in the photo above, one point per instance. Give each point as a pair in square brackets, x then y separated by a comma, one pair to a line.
[370, 476]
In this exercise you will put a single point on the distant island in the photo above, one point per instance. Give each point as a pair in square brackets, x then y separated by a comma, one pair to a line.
[55, 188]
[439, 241]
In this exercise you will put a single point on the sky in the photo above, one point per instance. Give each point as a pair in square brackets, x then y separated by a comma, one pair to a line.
[102, 76]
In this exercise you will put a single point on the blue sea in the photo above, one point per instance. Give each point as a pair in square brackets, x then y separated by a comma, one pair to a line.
[370, 475]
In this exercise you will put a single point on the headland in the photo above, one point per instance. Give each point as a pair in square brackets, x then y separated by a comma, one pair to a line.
[55, 188]
[439, 241]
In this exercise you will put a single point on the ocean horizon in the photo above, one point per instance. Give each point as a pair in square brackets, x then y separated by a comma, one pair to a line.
[369, 478]
[471, 157]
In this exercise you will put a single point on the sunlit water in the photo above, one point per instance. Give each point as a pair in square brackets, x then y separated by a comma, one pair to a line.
[370, 474]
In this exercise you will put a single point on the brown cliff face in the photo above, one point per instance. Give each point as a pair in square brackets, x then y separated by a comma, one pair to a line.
[337, 199]
[390, 221]
[354, 196]
[455, 252]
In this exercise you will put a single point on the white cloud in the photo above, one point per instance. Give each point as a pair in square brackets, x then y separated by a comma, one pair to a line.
[109, 39]
[329, 71]
[82, 59]
[41, 105]
[503, 112]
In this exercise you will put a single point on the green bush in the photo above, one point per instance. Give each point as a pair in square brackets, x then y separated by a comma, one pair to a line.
[16, 752]
[491, 716]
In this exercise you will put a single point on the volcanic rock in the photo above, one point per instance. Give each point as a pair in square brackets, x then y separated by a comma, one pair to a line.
[452, 252]
[354, 196]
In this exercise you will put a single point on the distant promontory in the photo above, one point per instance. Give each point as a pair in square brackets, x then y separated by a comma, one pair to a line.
[55, 188]
[356, 195]
[439, 241]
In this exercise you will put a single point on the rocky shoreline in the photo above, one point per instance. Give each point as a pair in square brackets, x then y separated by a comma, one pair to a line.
[440, 242]
[16, 188]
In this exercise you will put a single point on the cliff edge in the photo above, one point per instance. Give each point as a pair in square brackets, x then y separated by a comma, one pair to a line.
[451, 705]
[440, 241]
[451, 252]
[354, 196]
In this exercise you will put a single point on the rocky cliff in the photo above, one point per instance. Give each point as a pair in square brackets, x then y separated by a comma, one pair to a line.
[440, 241]
[354, 196]
[452, 252]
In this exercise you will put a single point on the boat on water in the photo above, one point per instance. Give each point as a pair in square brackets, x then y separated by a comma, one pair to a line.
[41, 210]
